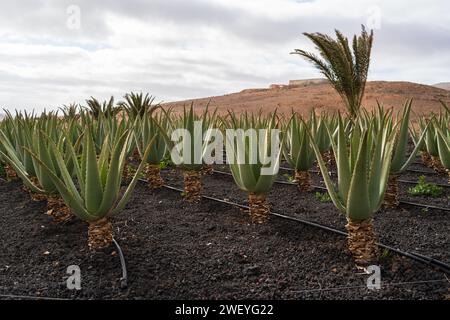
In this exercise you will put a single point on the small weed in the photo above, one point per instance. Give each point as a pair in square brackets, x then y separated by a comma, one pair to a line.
[424, 188]
[385, 254]
[288, 177]
[165, 163]
[322, 197]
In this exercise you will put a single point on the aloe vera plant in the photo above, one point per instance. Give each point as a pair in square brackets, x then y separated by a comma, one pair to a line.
[145, 129]
[15, 132]
[443, 142]
[34, 179]
[136, 104]
[400, 160]
[106, 108]
[113, 127]
[363, 171]
[254, 159]
[320, 125]
[440, 124]
[71, 111]
[432, 152]
[195, 135]
[298, 151]
[93, 194]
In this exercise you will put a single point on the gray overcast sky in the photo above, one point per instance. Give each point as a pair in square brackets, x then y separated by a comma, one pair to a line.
[178, 49]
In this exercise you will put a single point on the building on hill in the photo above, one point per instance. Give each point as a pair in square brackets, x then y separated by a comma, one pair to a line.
[306, 82]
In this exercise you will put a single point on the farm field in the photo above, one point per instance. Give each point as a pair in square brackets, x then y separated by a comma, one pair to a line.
[177, 250]
[223, 159]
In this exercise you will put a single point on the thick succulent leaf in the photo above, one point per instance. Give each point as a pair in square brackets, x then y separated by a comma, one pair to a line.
[326, 177]
[112, 185]
[444, 148]
[399, 157]
[93, 187]
[358, 206]
[69, 199]
[376, 167]
[342, 161]
[384, 175]
[64, 173]
[412, 156]
[20, 170]
[44, 155]
[126, 196]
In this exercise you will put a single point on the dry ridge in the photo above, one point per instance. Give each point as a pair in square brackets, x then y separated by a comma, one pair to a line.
[321, 96]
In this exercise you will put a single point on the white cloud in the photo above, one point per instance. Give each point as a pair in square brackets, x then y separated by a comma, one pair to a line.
[178, 49]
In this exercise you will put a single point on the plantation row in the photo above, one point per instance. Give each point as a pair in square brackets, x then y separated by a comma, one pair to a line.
[77, 159]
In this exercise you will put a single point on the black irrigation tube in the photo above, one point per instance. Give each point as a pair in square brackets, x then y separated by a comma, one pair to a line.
[315, 171]
[421, 171]
[427, 206]
[417, 257]
[444, 185]
[410, 170]
[124, 278]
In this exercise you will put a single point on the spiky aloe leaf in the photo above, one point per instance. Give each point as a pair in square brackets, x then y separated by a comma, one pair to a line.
[443, 148]
[93, 185]
[126, 196]
[335, 198]
[358, 207]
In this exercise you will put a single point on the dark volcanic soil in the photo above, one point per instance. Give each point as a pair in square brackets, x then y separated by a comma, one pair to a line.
[409, 228]
[179, 250]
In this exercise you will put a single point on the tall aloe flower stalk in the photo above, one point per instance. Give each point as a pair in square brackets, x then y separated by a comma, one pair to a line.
[363, 166]
[400, 161]
[95, 195]
[145, 129]
[298, 151]
[253, 154]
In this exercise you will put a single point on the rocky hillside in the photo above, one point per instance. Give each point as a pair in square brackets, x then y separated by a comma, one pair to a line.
[320, 96]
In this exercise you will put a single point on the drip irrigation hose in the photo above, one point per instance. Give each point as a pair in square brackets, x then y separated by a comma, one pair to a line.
[427, 206]
[124, 278]
[316, 171]
[414, 256]
[444, 185]
[410, 170]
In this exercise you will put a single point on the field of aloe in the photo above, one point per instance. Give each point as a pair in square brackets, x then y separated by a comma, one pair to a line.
[301, 207]
[137, 200]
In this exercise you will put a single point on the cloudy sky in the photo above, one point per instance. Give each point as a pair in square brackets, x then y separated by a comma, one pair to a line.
[53, 52]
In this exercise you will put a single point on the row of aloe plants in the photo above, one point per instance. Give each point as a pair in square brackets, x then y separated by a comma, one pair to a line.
[435, 147]
[76, 160]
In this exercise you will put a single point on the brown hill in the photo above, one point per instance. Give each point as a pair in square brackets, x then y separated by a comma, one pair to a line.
[321, 96]
[442, 85]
